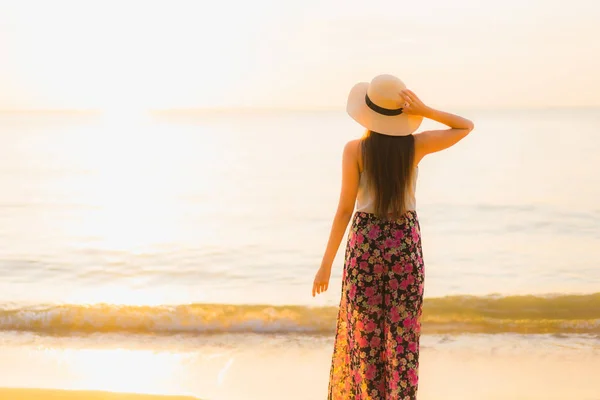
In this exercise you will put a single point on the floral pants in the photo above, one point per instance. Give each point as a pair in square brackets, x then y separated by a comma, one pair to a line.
[376, 348]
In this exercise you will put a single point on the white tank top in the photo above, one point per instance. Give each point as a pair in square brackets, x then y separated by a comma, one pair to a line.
[365, 200]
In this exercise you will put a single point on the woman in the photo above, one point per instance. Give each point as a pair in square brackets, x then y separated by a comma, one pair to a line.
[376, 350]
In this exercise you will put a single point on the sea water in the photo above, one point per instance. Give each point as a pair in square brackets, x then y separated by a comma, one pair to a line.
[175, 253]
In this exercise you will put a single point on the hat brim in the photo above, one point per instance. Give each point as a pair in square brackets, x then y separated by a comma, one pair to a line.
[396, 125]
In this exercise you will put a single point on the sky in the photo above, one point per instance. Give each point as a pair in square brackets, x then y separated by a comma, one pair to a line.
[128, 54]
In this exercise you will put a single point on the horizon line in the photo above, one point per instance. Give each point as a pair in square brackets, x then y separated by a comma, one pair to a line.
[271, 109]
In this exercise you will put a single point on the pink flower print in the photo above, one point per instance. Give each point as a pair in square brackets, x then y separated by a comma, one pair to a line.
[407, 322]
[365, 255]
[375, 300]
[369, 291]
[387, 257]
[399, 348]
[375, 341]
[413, 377]
[410, 279]
[408, 267]
[394, 315]
[421, 288]
[360, 239]
[378, 268]
[415, 234]
[397, 268]
[395, 380]
[380, 387]
[370, 327]
[352, 293]
[364, 265]
[389, 243]
[371, 371]
[357, 377]
[412, 346]
[394, 284]
[404, 284]
[353, 262]
[417, 327]
[399, 235]
[352, 241]
[374, 232]
[360, 326]
[362, 341]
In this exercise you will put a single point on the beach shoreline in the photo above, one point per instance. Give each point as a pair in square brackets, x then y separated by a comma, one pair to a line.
[294, 367]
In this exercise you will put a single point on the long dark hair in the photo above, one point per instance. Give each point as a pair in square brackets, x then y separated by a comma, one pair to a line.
[388, 163]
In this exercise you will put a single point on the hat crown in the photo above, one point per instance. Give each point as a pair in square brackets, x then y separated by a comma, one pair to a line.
[384, 91]
[378, 106]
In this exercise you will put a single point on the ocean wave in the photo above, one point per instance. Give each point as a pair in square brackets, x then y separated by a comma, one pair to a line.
[451, 315]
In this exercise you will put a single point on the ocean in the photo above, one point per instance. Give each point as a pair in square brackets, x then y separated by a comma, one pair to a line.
[175, 252]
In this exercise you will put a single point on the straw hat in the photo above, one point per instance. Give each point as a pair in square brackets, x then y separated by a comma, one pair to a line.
[377, 105]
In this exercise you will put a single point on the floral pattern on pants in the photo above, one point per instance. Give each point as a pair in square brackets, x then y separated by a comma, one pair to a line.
[376, 348]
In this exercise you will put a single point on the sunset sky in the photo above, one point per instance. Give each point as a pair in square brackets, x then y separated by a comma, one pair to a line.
[126, 54]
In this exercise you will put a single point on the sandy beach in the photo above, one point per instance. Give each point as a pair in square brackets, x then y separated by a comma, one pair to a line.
[49, 394]
[446, 375]
[259, 367]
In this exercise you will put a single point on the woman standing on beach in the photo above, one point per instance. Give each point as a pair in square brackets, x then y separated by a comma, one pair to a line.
[376, 349]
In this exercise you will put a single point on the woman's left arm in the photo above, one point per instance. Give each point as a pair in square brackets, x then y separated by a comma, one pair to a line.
[350, 177]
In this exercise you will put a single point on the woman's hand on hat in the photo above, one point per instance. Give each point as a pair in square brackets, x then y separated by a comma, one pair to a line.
[412, 104]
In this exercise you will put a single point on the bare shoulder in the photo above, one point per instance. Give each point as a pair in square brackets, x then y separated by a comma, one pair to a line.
[353, 144]
[352, 155]
[352, 151]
